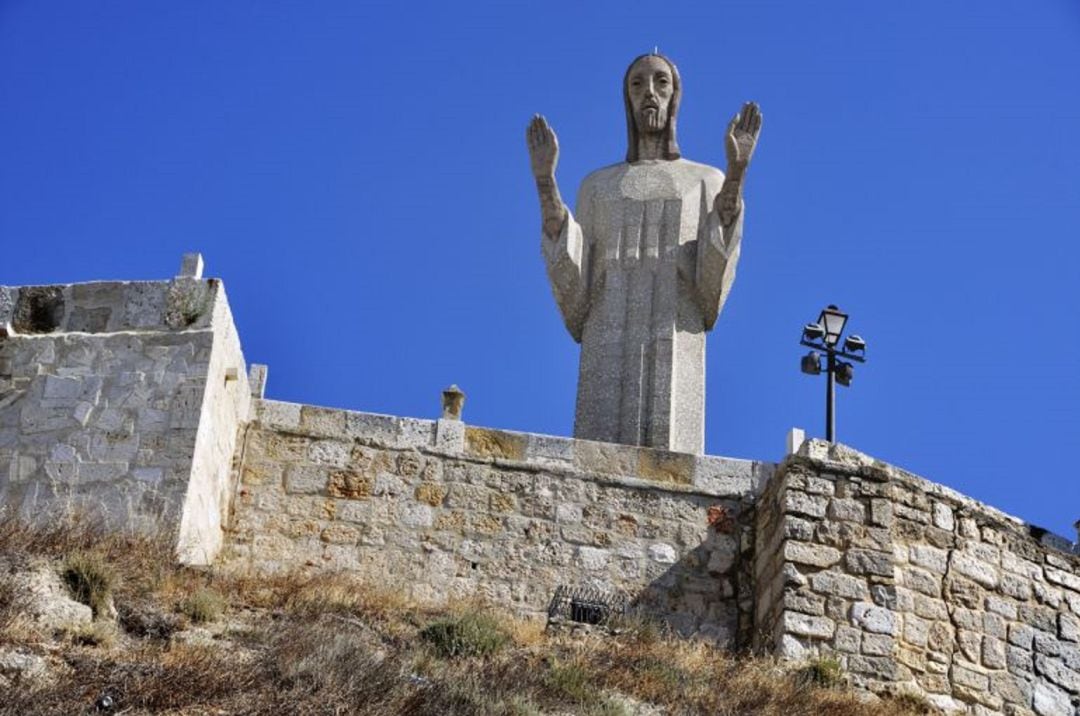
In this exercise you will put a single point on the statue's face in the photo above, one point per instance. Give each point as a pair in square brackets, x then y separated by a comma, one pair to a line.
[650, 86]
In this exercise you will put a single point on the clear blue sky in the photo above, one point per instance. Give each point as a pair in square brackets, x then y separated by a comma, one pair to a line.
[357, 174]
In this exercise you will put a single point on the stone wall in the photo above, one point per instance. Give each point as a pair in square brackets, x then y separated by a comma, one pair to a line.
[443, 511]
[111, 394]
[130, 401]
[912, 586]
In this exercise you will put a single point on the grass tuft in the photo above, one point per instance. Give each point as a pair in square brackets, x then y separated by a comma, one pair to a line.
[473, 633]
[205, 605]
[90, 580]
[823, 672]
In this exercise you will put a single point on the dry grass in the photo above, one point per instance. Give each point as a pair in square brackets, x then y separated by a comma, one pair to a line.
[328, 644]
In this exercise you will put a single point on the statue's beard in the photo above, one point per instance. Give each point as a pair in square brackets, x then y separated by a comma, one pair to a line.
[652, 119]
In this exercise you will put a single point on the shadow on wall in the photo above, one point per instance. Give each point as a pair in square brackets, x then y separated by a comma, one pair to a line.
[707, 593]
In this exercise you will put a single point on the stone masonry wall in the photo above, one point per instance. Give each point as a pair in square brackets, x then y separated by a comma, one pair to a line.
[444, 511]
[102, 411]
[912, 586]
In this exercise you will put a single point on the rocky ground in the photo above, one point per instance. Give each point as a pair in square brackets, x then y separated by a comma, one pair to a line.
[95, 624]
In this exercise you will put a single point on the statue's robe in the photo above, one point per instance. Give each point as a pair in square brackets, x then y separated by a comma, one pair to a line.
[640, 274]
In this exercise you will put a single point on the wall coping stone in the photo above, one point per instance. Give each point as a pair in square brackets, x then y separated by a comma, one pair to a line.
[607, 463]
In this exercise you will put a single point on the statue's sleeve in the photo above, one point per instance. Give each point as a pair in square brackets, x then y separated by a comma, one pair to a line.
[565, 256]
[718, 252]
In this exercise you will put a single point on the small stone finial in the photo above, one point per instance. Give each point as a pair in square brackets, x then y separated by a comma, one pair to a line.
[191, 266]
[453, 400]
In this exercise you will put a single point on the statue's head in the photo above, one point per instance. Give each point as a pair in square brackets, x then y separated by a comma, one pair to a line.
[651, 93]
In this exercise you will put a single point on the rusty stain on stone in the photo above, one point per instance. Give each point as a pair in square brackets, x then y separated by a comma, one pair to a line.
[664, 466]
[481, 442]
[349, 485]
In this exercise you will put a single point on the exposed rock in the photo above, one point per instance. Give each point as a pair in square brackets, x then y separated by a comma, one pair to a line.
[43, 597]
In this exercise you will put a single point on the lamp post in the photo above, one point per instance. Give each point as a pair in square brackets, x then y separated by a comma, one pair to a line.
[825, 336]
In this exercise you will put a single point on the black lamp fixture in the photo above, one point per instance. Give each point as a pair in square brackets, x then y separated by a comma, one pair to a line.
[825, 336]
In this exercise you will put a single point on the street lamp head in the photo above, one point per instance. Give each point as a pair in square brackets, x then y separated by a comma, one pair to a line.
[832, 320]
[813, 332]
[844, 373]
[854, 344]
[811, 363]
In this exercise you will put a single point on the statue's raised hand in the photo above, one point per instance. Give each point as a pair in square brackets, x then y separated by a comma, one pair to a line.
[742, 136]
[543, 148]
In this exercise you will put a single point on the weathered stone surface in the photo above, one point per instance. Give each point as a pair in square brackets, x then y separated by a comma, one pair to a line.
[815, 555]
[42, 596]
[800, 503]
[1048, 700]
[809, 626]
[863, 561]
[873, 619]
[120, 416]
[839, 585]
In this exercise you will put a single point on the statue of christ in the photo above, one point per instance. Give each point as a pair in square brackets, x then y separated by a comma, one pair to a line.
[643, 266]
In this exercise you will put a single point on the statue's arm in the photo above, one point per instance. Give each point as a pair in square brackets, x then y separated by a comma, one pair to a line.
[544, 156]
[718, 252]
[718, 247]
[563, 239]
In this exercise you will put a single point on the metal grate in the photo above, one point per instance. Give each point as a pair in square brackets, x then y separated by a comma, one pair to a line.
[586, 605]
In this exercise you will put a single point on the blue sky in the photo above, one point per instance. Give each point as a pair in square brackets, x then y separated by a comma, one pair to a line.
[357, 175]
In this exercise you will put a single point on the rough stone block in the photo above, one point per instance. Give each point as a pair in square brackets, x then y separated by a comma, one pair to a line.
[847, 509]
[847, 639]
[305, 479]
[275, 414]
[930, 558]
[1048, 700]
[881, 512]
[811, 554]
[970, 675]
[1057, 673]
[449, 435]
[863, 561]
[546, 447]
[800, 503]
[481, 442]
[1065, 579]
[993, 653]
[922, 581]
[803, 602]
[873, 619]
[980, 571]
[417, 516]
[877, 644]
[839, 585]
[724, 477]
[593, 559]
[806, 625]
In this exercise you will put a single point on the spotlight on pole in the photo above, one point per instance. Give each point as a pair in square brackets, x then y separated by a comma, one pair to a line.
[811, 363]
